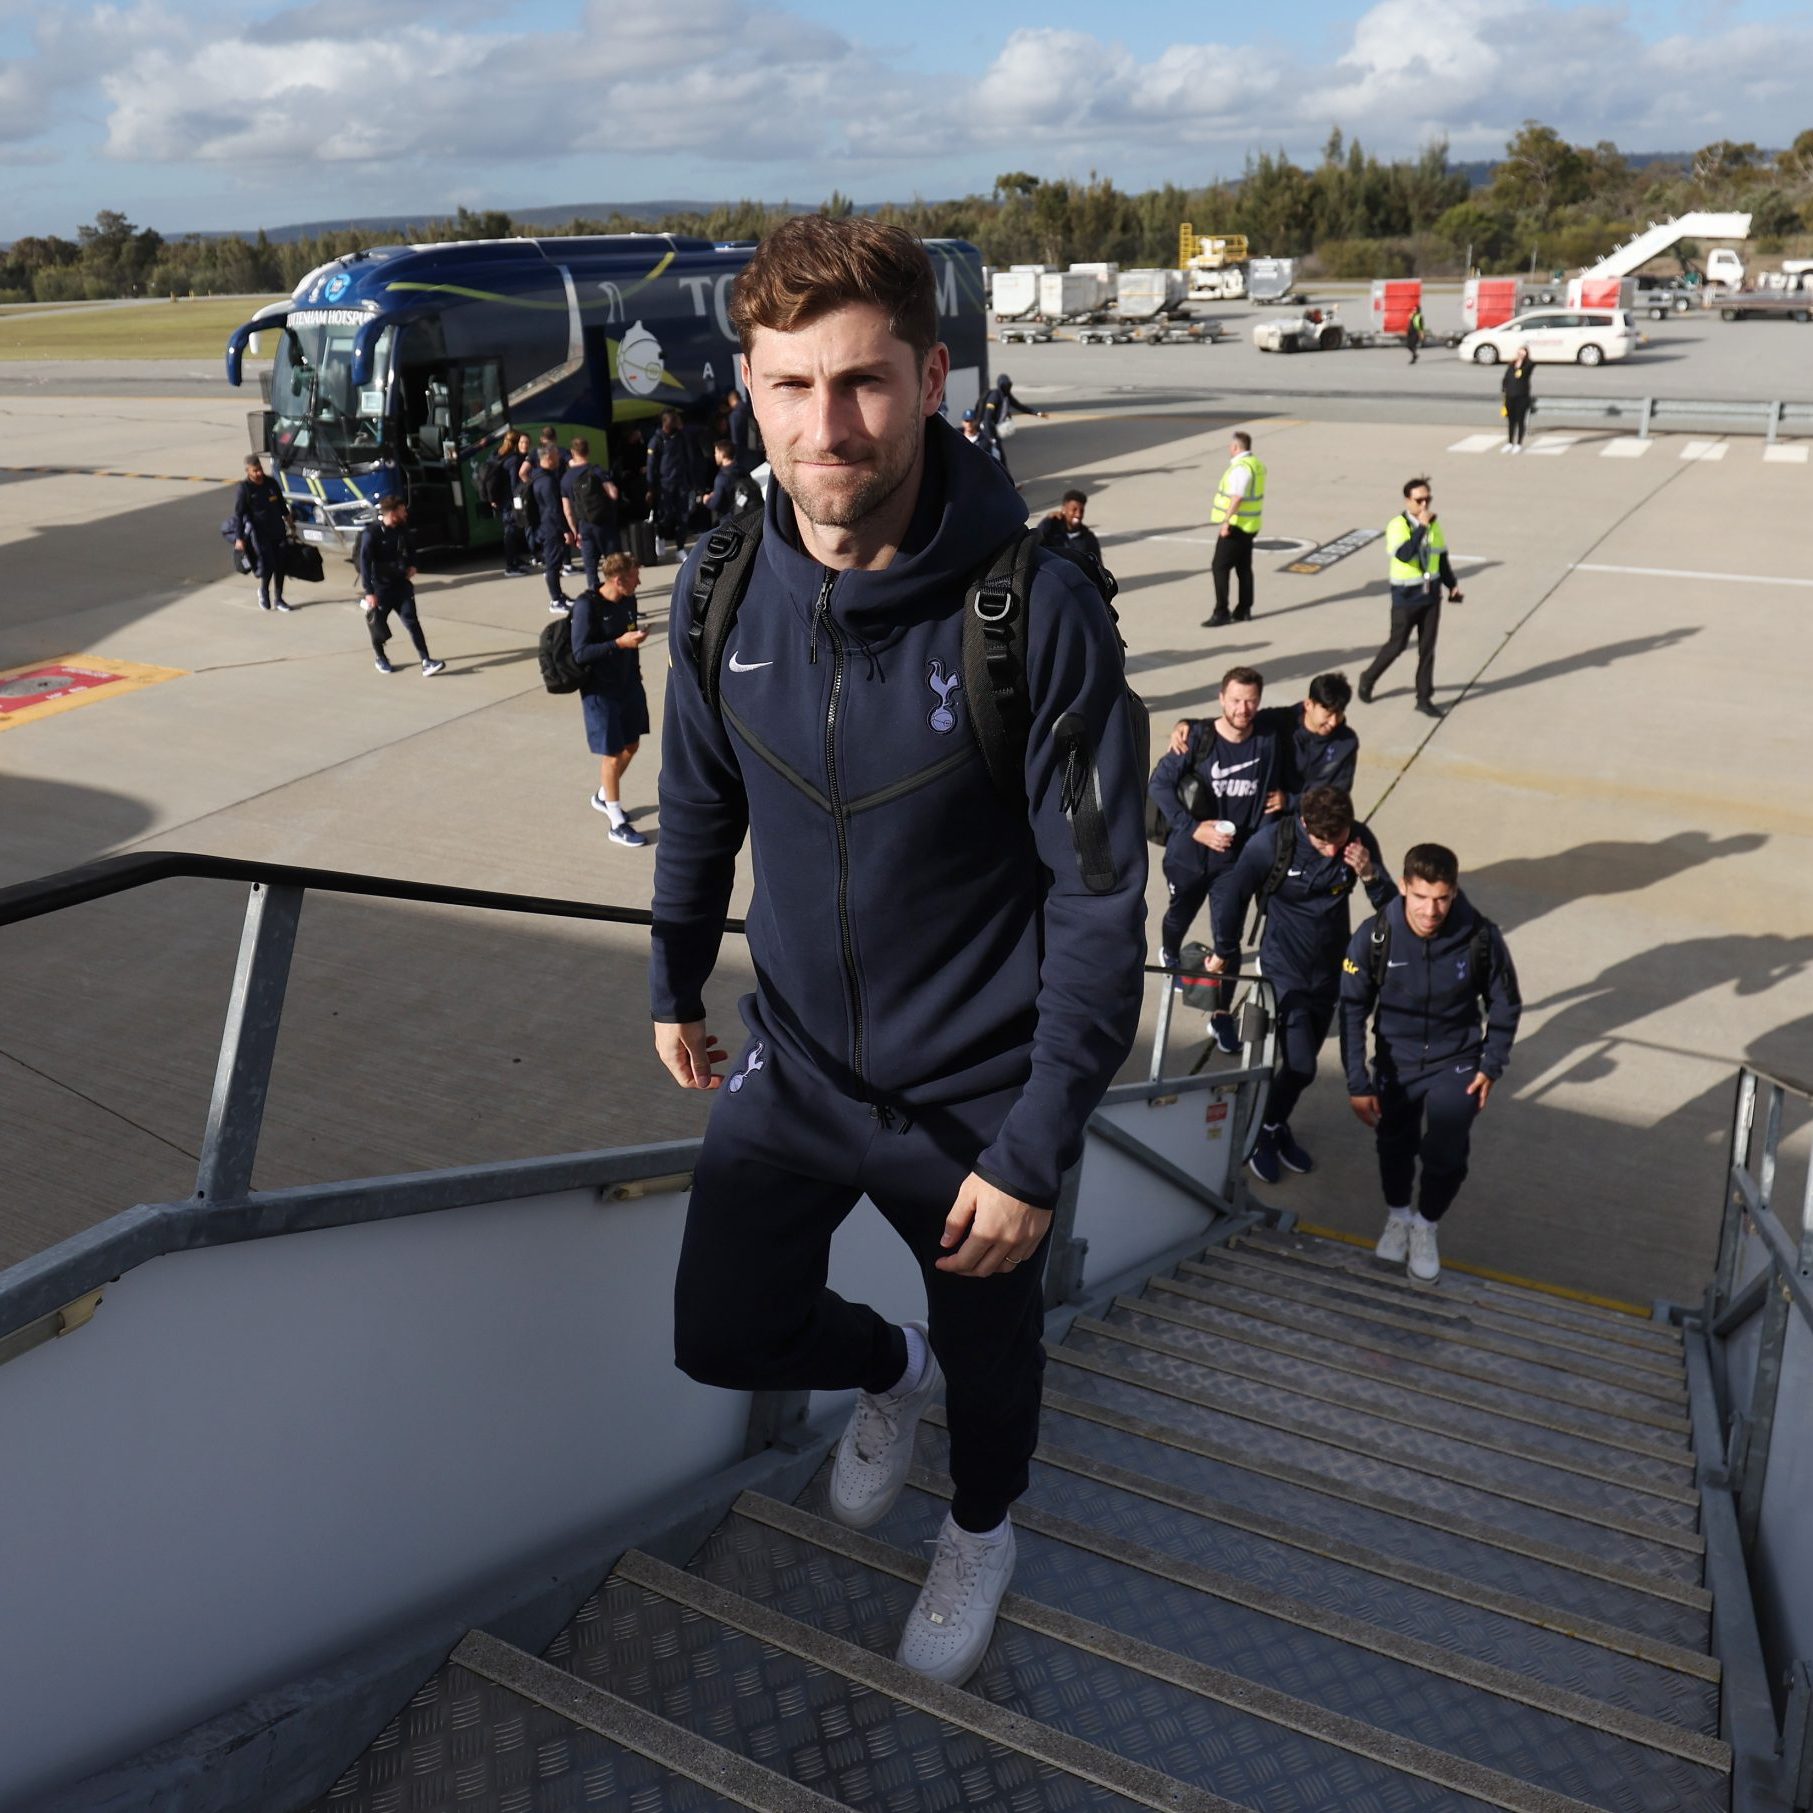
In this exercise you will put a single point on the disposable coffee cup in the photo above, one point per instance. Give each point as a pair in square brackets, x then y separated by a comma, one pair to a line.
[1225, 826]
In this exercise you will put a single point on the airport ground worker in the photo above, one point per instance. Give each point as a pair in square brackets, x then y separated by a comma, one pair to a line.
[1417, 547]
[1238, 512]
[1426, 971]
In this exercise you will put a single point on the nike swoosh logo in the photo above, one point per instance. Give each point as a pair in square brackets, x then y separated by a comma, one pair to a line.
[1393, 963]
[1293, 873]
[745, 667]
[1220, 773]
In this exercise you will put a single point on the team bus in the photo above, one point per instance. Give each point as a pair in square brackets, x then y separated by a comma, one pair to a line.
[398, 369]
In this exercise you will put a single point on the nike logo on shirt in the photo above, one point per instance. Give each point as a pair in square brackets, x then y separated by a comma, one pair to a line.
[1219, 773]
[1393, 963]
[745, 667]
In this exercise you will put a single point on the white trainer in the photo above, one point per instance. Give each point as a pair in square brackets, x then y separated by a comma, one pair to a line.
[948, 1630]
[1425, 1261]
[1394, 1243]
[876, 1452]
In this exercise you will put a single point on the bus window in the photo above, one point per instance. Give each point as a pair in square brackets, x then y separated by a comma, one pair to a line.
[318, 413]
[482, 408]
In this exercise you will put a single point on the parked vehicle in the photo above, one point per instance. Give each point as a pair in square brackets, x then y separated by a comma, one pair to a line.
[1313, 331]
[1789, 299]
[1556, 336]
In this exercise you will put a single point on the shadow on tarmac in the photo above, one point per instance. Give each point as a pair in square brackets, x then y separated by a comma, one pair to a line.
[1604, 656]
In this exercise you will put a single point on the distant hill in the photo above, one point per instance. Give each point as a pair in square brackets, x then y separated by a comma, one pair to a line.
[1478, 171]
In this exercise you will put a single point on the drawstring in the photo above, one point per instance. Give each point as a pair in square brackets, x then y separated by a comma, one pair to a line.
[1076, 774]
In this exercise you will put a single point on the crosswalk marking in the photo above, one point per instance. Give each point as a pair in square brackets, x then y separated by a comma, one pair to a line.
[1478, 443]
[1552, 443]
[1632, 449]
[1787, 456]
[1704, 450]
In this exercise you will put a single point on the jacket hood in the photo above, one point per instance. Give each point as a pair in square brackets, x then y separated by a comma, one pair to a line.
[967, 508]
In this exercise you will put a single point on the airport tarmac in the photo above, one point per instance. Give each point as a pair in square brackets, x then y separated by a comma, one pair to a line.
[1620, 773]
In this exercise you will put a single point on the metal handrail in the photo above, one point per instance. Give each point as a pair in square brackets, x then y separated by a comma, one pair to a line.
[120, 874]
[1769, 414]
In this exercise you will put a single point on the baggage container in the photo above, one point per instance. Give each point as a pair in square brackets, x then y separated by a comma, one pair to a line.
[1394, 301]
[1602, 292]
[1271, 279]
[1069, 295]
[1148, 295]
[1489, 301]
[1014, 295]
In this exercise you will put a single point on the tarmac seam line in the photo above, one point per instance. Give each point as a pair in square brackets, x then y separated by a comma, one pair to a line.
[82, 1095]
[1510, 635]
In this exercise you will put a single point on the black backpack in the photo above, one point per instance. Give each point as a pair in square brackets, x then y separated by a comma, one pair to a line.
[594, 506]
[559, 671]
[994, 672]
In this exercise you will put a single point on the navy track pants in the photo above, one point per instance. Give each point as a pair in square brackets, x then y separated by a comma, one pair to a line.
[1430, 1118]
[786, 1158]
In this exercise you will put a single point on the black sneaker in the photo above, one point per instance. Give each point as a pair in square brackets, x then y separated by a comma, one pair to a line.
[1290, 1154]
[1430, 709]
[1264, 1160]
[1225, 1032]
[1216, 623]
[1365, 691]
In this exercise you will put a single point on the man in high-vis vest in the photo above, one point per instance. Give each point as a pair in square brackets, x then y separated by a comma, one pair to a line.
[1239, 510]
[1420, 573]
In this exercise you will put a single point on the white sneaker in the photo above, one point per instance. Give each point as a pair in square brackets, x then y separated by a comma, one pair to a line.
[599, 802]
[948, 1630]
[876, 1452]
[431, 668]
[1425, 1261]
[1394, 1243]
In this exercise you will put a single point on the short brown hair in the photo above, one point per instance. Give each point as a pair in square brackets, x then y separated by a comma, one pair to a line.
[579, 445]
[1433, 863]
[814, 263]
[616, 565]
[1327, 812]
[1245, 439]
[1243, 676]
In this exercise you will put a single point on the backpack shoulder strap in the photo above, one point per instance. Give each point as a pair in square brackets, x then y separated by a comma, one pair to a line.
[718, 584]
[1481, 971]
[1381, 948]
[994, 662]
[1284, 853]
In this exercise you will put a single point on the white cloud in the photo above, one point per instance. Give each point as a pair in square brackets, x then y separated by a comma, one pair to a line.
[461, 92]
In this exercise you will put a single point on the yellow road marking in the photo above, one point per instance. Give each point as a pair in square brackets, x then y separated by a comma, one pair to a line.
[1495, 1277]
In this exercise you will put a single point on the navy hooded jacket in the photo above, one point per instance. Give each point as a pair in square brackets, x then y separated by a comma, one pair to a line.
[1307, 923]
[917, 939]
[1428, 1003]
[669, 470]
[1322, 761]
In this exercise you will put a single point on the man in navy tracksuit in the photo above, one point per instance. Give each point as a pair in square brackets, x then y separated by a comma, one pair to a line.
[670, 486]
[552, 537]
[387, 572]
[1236, 770]
[261, 524]
[941, 1000]
[1418, 963]
[1325, 750]
[1307, 927]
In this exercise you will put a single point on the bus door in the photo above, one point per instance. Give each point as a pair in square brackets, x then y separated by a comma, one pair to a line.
[482, 413]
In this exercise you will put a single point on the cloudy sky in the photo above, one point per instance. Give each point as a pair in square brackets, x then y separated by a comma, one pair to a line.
[190, 114]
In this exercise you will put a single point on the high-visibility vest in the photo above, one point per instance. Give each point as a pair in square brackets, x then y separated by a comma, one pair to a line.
[1248, 511]
[1435, 545]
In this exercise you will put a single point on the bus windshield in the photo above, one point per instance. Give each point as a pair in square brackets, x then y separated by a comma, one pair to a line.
[320, 416]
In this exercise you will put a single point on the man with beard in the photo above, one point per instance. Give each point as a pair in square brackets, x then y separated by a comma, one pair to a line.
[942, 995]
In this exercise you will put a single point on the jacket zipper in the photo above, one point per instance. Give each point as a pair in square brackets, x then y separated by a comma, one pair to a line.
[840, 818]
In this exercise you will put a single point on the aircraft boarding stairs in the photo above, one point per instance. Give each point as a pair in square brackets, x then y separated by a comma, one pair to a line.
[1300, 1535]
[384, 1497]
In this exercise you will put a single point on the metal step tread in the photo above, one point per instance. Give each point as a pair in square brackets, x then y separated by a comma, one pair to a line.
[1353, 1460]
[1109, 1555]
[1653, 1605]
[1386, 1588]
[1645, 1457]
[1327, 1329]
[1665, 1385]
[1208, 1724]
[1566, 1308]
[1434, 1302]
[1477, 1428]
[839, 1718]
[496, 1728]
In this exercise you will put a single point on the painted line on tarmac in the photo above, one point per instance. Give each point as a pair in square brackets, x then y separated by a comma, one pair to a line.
[1587, 566]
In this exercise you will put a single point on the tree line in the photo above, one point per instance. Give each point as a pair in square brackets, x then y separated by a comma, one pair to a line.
[1547, 204]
